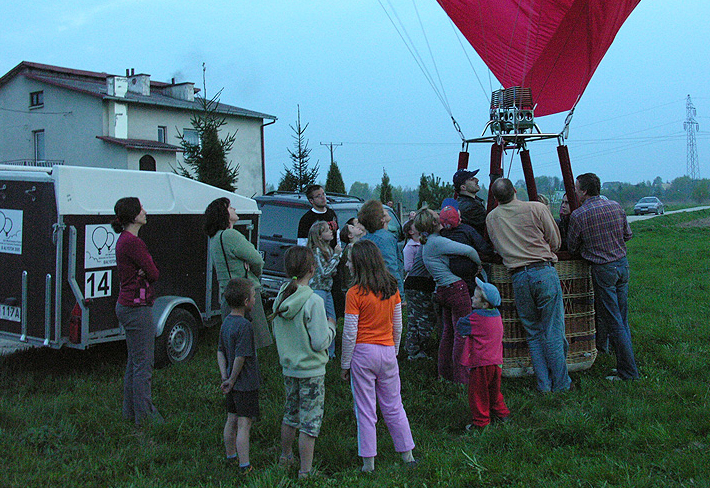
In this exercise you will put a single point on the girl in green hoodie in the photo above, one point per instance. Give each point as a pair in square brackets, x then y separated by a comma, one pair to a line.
[303, 334]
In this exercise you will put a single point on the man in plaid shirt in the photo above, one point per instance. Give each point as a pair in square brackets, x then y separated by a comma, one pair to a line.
[598, 231]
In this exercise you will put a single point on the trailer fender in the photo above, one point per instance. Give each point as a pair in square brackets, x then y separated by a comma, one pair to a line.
[177, 320]
[164, 305]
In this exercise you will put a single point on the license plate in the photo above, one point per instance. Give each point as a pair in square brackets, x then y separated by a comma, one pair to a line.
[8, 312]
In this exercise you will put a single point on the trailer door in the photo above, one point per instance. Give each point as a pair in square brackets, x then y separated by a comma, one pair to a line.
[28, 257]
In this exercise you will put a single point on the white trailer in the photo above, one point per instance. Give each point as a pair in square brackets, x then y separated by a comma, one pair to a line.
[58, 277]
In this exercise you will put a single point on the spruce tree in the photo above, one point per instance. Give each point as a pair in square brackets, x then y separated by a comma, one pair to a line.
[300, 175]
[432, 191]
[334, 181]
[207, 161]
[385, 188]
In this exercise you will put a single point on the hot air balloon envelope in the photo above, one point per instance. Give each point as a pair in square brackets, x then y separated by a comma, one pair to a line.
[551, 46]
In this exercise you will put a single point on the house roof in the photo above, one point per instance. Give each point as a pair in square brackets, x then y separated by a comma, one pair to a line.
[94, 84]
[141, 144]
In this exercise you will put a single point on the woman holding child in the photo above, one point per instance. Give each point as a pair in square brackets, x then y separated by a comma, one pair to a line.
[451, 291]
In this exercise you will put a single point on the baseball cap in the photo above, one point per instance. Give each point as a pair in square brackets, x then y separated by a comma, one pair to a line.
[449, 217]
[461, 176]
[490, 292]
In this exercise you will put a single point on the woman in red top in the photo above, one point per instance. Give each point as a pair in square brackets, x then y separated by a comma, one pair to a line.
[371, 336]
[136, 273]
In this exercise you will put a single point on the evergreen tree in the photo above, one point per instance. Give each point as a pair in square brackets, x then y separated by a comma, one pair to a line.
[361, 190]
[334, 181]
[299, 176]
[432, 191]
[207, 161]
[385, 188]
[288, 182]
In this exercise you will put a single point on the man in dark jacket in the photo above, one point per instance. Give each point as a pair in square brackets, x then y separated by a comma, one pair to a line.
[472, 208]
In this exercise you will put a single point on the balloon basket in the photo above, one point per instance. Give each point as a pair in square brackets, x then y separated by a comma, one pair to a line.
[578, 297]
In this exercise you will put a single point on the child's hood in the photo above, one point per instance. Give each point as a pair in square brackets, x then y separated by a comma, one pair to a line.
[291, 306]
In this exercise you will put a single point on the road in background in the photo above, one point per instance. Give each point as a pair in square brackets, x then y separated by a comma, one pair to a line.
[633, 218]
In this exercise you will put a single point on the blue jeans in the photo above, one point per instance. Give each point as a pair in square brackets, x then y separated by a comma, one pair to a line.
[611, 291]
[538, 299]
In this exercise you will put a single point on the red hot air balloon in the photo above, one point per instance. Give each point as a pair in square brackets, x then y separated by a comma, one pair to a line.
[551, 46]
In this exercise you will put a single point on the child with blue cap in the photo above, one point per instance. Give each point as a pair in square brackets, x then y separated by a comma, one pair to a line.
[483, 355]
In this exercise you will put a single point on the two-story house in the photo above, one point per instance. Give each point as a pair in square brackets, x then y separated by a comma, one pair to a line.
[52, 115]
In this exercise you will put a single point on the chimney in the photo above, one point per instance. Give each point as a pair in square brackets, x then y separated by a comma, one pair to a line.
[116, 86]
[139, 83]
[181, 91]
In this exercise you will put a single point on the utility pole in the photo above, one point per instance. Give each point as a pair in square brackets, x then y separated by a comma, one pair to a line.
[331, 146]
[691, 127]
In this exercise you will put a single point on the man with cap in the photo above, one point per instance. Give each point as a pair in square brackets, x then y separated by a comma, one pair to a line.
[483, 354]
[526, 237]
[472, 208]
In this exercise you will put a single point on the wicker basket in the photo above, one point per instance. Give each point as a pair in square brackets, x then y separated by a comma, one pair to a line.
[578, 297]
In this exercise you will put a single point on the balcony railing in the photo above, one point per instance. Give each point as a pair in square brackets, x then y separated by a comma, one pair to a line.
[43, 163]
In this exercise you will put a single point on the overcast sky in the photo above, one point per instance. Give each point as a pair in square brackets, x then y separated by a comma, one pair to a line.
[357, 84]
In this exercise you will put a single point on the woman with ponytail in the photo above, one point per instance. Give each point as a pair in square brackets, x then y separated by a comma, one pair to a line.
[303, 334]
[136, 272]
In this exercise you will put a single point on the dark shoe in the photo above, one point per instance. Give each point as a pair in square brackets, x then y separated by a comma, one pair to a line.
[246, 470]
[501, 420]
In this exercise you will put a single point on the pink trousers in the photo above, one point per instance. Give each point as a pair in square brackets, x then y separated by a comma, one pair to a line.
[374, 378]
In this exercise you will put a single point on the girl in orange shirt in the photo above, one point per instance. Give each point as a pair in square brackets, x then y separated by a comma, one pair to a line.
[371, 334]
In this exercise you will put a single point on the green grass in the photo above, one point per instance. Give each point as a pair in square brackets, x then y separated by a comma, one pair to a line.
[60, 422]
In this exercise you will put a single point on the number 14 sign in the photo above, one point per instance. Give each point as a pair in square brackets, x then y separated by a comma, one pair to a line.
[97, 284]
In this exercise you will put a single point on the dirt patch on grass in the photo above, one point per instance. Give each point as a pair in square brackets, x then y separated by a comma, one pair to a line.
[696, 223]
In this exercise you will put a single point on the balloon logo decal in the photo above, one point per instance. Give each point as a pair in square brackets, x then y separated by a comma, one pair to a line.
[6, 224]
[101, 238]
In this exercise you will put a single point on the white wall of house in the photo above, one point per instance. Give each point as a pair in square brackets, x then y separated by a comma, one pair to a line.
[70, 121]
[144, 120]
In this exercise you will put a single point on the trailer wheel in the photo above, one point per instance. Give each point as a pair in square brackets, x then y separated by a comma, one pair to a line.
[178, 342]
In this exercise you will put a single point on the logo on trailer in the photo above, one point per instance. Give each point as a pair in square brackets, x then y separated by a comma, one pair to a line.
[99, 246]
[11, 231]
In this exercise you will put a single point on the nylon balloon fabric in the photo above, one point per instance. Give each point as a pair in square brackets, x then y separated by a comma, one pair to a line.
[551, 46]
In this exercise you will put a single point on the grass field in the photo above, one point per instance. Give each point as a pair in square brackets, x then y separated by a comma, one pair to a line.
[60, 422]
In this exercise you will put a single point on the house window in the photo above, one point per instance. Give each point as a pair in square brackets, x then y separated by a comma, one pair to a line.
[37, 99]
[162, 133]
[38, 137]
[191, 136]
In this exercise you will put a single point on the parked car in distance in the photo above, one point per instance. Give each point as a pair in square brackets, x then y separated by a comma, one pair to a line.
[278, 229]
[648, 205]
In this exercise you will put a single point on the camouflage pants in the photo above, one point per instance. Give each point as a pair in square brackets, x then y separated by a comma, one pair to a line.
[421, 321]
[305, 398]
